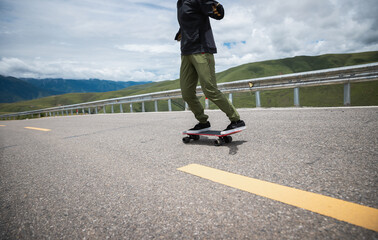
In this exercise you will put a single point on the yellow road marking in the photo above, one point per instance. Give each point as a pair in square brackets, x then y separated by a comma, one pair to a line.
[2, 125]
[353, 213]
[39, 129]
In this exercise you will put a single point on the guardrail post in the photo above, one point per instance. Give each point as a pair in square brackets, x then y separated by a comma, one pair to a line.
[186, 106]
[96, 110]
[131, 107]
[143, 107]
[104, 107]
[89, 111]
[170, 105]
[121, 108]
[112, 108]
[83, 111]
[230, 98]
[296, 97]
[156, 106]
[71, 112]
[206, 103]
[258, 102]
[347, 94]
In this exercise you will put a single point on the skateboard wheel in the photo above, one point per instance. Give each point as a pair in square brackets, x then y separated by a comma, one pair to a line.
[195, 137]
[227, 139]
[219, 142]
[186, 140]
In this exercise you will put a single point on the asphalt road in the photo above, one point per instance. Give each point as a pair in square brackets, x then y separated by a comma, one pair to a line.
[116, 176]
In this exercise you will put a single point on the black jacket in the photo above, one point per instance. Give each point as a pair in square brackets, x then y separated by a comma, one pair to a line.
[195, 30]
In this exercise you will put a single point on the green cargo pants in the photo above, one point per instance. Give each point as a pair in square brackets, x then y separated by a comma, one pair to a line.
[202, 67]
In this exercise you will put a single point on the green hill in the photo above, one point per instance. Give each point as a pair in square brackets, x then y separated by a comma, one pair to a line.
[362, 93]
[294, 65]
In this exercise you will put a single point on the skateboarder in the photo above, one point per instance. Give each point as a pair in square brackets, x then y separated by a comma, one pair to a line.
[197, 60]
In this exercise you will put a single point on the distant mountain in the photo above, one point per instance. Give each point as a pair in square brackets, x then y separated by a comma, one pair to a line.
[14, 90]
[79, 86]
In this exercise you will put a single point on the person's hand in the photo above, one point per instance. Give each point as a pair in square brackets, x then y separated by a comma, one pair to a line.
[215, 10]
[179, 38]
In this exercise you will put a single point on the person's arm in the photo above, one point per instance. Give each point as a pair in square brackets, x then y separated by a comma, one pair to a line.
[212, 9]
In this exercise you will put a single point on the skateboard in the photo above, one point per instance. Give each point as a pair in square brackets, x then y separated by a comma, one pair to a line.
[223, 136]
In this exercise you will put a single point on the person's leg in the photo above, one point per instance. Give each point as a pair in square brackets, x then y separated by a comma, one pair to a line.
[188, 84]
[205, 67]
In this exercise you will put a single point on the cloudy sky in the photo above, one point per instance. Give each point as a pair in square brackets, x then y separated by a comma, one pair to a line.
[127, 40]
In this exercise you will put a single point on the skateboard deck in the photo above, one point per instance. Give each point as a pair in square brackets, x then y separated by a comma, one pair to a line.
[223, 136]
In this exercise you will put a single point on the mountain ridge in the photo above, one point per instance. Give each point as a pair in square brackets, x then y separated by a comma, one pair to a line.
[22, 89]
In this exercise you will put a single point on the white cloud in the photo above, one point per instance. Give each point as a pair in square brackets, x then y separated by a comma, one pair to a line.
[76, 70]
[133, 40]
[150, 48]
[277, 29]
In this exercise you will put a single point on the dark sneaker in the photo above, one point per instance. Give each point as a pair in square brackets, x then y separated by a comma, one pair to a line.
[200, 127]
[235, 126]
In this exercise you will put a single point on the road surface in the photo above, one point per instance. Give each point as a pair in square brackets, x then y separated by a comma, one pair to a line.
[117, 176]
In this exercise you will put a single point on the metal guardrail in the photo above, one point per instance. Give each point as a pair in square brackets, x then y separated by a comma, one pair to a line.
[343, 75]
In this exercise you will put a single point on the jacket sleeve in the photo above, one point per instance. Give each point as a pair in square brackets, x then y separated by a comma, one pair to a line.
[212, 9]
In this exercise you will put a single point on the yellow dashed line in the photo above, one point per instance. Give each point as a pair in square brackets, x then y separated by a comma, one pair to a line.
[39, 129]
[353, 213]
